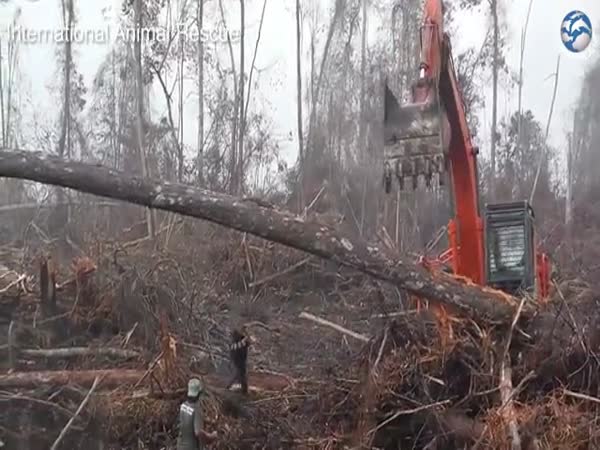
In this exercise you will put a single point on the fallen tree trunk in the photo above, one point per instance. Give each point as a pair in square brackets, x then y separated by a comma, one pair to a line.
[269, 223]
[76, 352]
[110, 378]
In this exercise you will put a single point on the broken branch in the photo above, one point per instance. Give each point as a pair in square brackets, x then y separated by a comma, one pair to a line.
[327, 323]
[72, 419]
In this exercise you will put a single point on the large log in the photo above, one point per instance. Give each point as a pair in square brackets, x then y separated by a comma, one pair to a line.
[77, 352]
[319, 239]
[85, 378]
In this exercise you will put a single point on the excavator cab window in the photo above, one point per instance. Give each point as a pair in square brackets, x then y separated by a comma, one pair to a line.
[510, 251]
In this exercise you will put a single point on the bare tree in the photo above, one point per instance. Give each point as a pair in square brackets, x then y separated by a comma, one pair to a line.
[495, 66]
[7, 83]
[521, 57]
[338, 13]
[299, 99]
[239, 175]
[200, 156]
[543, 154]
[569, 183]
[64, 143]
[363, 66]
[234, 120]
[140, 106]
[180, 152]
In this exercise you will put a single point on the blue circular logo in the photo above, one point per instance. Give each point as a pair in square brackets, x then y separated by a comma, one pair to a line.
[576, 31]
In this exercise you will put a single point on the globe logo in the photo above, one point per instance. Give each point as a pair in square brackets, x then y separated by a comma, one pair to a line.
[576, 31]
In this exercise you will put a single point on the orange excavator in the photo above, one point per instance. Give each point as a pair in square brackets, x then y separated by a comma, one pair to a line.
[428, 141]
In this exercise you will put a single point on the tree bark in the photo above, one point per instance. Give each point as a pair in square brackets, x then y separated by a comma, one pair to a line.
[482, 304]
[31, 380]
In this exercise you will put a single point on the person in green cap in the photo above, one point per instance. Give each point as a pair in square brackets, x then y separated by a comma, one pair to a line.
[191, 433]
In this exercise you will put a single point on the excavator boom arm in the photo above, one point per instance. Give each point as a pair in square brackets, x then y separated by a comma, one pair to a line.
[462, 157]
[430, 137]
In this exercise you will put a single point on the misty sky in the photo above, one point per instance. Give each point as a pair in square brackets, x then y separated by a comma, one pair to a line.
[276, 59]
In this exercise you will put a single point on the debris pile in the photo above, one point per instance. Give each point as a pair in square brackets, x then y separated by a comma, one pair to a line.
[339, 360]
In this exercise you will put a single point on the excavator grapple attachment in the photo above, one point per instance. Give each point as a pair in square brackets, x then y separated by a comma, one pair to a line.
[415, 142]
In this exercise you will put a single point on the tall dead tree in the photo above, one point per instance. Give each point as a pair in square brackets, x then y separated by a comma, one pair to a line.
[234, 119]
[64, 142]
[60, 218]
[299, 101]
[8, 69]
[495, 67]
[338, 13]
[240, 164]
[200, 155]
[180, 69]
[363, 65]
[138, 18]
[569, 182]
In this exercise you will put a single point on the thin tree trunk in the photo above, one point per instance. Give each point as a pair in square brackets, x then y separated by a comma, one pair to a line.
[312, 73]
[200, 156]
[260, 26]
[63, 142]
[180, 155]
[299, 104]
[234, 120]
[363, 65]
[337, 14]
[67, 6]
[169, 101]
[140, 108]
[240, 164]
[543, 154]
[13, 48]
[569, 193]
[362, 116]
[523, 41]
[114, 141]
[494, 7]
[2, 106]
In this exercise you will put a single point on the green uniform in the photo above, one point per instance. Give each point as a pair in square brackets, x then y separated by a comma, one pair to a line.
[190, 424]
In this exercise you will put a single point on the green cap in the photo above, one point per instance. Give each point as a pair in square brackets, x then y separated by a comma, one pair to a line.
[195, 387]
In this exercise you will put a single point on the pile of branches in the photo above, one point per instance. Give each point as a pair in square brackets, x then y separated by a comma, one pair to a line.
[119, 313]
[424, 389]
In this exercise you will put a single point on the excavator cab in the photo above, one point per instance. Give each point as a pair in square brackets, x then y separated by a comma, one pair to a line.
[510, 247]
